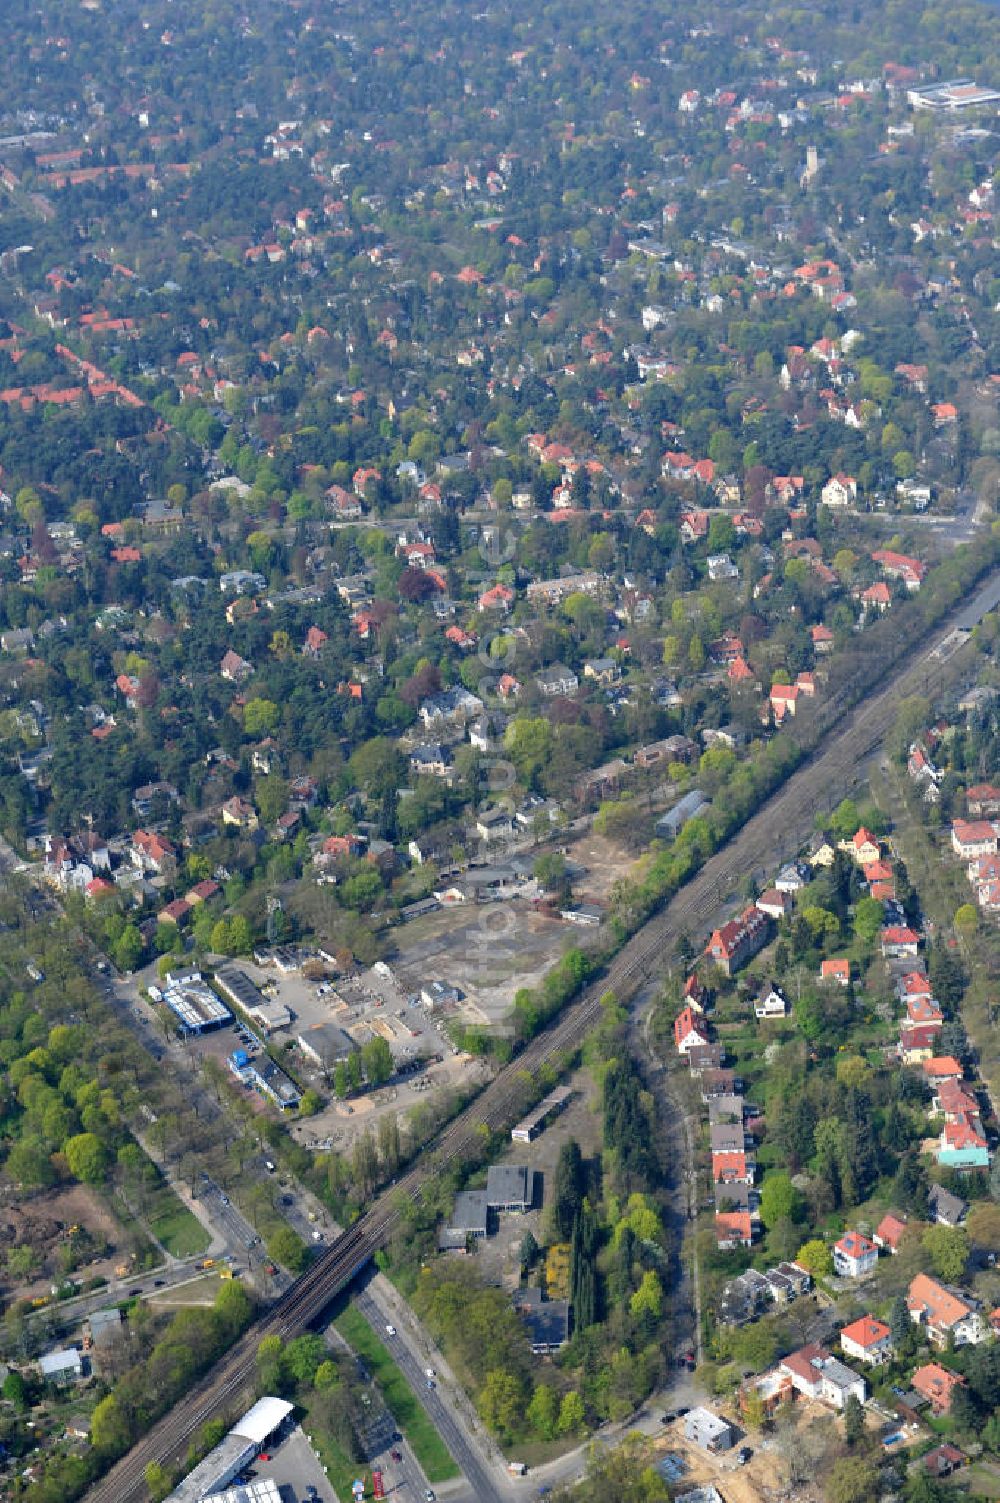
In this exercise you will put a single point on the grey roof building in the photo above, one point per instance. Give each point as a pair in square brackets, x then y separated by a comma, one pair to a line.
[510, 1187]
[469, 1218]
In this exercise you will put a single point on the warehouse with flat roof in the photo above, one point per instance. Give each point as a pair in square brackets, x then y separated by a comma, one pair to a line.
[233, 1453]
[194, 1004]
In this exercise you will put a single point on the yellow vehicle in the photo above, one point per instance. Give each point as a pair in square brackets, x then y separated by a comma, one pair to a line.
[205, 1263]
[42, 1299]
[226, 1273]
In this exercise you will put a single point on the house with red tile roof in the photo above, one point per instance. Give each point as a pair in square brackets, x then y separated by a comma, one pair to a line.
[203, 892]
[983, 800]
[868, 1340]
[854, 1255]
[740, 672]
[690, 1029]
[151, 852]
[911, 571]
[889, 1232]
[941, 1068]
[943, 1460]
[784, 700]
[918, 1044]
[234, 668]
[175, 912]
[864, 847]
[731, 1168]
[899, 941]
[815, 1374]
[923, 1012]
[936, 1384]
[694, 526]
[777, 905]
[877, 597]
[837, 970]
[733, 1229]
[316, 640]
[973, 838]
[944, 1313]
[498, 597]
[732, 945]
[695, 994]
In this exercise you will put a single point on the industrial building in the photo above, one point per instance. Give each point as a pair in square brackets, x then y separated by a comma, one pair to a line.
[237, 986]
[325, 1044]
[669, 825]
[212, 1476]
[510, 1187]
[263, 1075]
[952, 97]
[194, 1003]
[260, 1490]
[469, 1218]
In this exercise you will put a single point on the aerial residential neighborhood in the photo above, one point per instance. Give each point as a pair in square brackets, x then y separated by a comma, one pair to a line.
[499, 753]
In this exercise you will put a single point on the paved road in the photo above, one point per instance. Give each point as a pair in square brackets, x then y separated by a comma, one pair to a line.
[413, 1354]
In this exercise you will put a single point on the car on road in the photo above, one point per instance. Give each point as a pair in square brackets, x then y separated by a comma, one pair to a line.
[158, 1283]
[311, 1491]
[429, 1496]
[389, 1329]
[429, 1372]
[224, 1199]
[396, 1455]
[431, 1383]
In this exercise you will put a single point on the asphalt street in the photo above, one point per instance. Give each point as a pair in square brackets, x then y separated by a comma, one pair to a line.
[413, 1355]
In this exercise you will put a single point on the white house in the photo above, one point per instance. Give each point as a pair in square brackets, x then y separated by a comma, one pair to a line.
[868, 1340]
[817, 1375]
[840, 490]
[770, 1003]
[854, 1255]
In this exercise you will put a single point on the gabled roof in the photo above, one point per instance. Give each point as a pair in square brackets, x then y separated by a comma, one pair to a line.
[889, 1230]
[934, 1303]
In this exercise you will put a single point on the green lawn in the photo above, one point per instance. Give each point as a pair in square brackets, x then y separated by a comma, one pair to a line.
[982, 1481]
[172, 1224]
[340, 1470]
[428, 1447]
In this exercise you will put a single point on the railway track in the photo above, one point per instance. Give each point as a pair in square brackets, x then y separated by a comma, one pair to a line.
[816, 785]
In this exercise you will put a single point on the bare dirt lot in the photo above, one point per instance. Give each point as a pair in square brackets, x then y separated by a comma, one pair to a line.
[605, 862]
[340, 1123]
[764, 1478]
[487, 950]
[43, 1223]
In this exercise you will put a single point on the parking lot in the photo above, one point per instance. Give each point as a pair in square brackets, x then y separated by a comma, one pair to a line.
[295, 1467]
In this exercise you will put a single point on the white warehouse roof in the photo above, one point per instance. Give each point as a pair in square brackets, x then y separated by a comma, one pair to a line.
[263, 1419]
